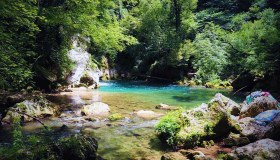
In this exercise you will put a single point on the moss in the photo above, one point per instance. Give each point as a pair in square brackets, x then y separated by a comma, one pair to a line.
[198, 114]
[222, 156]
[115, 117]
[21, 106]
[170, 125]
[191, 128]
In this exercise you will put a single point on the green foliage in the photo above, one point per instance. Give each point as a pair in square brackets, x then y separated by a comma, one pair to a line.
[17, 135]
[23, 147]
[36, 36]
[216, 40]
[219, 84]
[169, 126]
[46, 147]
[17, 37]
[160, 27]
[257, 42]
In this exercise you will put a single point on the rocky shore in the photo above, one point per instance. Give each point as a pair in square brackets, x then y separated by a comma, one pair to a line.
[239, 131]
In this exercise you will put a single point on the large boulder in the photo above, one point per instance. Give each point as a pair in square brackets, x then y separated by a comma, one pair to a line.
[190, 128]
[258, 102]
[229, 105]
[96, 109]
[38, 107]
[255, 131]
[262, 149]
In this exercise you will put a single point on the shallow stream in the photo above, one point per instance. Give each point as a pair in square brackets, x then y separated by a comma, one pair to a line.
[131, 137]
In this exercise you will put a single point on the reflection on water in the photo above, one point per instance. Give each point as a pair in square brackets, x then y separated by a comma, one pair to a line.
[131, 137]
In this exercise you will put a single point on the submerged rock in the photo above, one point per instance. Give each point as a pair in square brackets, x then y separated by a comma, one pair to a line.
[146, 114]
[262, 149]
[38, 107]
[97, 109]
[115, 117]
[166, 107]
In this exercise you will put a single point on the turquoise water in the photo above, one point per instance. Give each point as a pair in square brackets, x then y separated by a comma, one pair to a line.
[183, 96]
[131, 137]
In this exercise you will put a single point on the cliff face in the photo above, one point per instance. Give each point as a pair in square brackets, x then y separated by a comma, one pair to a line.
[85, 70]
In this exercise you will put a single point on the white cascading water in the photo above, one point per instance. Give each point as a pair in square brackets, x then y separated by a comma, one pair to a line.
[82, 60]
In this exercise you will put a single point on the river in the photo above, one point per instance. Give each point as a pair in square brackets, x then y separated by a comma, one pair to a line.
[130, 137]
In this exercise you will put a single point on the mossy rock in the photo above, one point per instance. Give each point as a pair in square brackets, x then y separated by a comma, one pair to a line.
[115, 117]
[190, 128]
[38, 107]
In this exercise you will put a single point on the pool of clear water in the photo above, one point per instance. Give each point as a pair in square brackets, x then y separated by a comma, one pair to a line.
[183, 96]
[132, 137]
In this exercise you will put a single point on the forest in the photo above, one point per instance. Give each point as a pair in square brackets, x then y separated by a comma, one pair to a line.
[213, 40]
[60, 56]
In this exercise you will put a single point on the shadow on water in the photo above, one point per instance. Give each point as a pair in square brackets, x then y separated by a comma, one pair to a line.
[157, 145]
[194, 96]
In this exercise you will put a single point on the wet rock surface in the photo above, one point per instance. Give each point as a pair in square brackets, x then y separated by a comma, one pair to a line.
[97, 109]
[38, 107]
[211, 121]
[147, 114]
